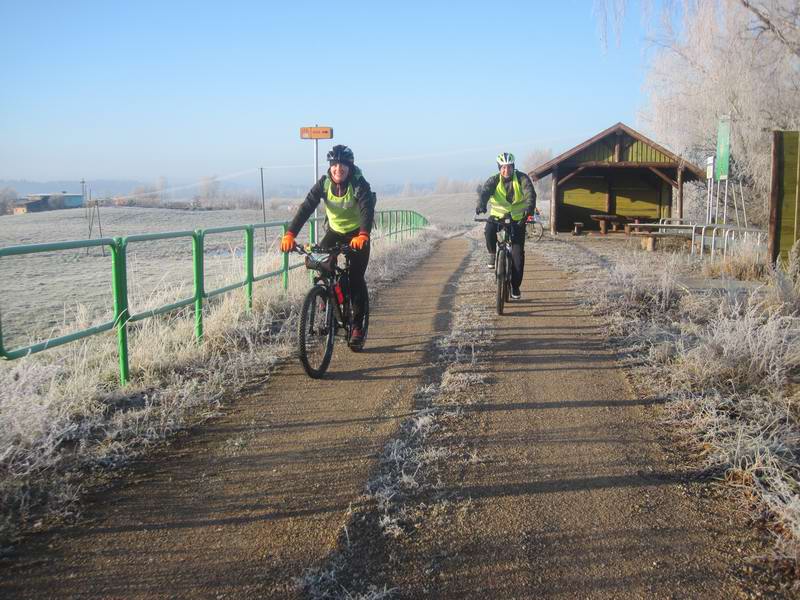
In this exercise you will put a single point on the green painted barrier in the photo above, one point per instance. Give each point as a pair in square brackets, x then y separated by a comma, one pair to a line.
[400, 222]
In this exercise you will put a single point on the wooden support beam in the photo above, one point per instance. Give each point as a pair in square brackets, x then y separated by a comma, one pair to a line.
[617, 149]
[566, 178]
[554, 203]
[679, 211]
[630, 164]
[773, 246]
[672, 182]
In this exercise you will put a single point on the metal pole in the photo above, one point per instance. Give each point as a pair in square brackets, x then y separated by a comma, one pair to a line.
[741, 199]
[248, 266]
[99, 226]
[735, 206]
[316, 178]
[120, 288]
[725, 204]
[263, 207]
[199, 285]
[716, 206]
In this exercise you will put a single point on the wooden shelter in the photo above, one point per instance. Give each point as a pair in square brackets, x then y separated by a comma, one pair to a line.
[618, 172]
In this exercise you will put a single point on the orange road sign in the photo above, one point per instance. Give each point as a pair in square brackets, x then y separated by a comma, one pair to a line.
[316, 133]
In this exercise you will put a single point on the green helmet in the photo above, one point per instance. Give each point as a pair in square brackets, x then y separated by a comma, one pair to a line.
[505, 158]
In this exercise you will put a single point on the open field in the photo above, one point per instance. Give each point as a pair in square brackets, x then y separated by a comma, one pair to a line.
[41, 293]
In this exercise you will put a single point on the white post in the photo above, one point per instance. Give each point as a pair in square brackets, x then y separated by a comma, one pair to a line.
[725, 204]
[741, 199]
[735, 206]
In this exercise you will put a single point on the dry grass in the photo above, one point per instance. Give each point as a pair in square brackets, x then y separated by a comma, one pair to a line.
[62, 414]
[726, 355]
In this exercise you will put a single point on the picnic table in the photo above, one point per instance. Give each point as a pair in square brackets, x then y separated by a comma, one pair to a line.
[616, 220]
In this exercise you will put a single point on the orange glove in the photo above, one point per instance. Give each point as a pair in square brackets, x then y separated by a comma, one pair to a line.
[359, 241]
[287, 242]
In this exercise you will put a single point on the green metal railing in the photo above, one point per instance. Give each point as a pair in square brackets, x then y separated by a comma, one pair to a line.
[392, 224]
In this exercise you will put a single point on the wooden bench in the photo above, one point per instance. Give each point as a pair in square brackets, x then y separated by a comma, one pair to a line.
[604, 220]
[650, 239]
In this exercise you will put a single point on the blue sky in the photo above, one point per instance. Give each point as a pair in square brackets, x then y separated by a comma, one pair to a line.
[138, 90]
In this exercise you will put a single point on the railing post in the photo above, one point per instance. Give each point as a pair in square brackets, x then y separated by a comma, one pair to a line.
[248, 265]
[199, 284]
[120, 289]
[285, 266]
[312, 231]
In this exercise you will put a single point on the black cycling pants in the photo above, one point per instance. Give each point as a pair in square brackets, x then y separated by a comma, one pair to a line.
[517, 248]
[358, 266]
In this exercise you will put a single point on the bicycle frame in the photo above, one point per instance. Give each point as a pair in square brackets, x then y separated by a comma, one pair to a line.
[503, 259]
[331, 278]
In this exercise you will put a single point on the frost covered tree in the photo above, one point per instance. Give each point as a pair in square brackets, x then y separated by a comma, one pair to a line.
[8, 197]
[730, 57]
[543, 187]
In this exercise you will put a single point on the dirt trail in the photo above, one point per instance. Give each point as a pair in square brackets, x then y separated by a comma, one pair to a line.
[572, 495]
[575, 497]
[243, 506]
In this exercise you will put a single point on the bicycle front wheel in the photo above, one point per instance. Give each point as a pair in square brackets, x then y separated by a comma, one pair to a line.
[500, 275]
[316, 332]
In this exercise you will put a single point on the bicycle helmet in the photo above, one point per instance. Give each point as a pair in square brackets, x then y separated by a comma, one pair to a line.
[505, 158]
[341, 154]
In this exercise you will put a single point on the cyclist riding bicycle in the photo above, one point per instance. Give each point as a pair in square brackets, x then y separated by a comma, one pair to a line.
[350, 211]
[509, 191]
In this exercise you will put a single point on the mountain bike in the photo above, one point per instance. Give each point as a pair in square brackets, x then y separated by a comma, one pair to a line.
[535, 229]
[502, 258]
[327, 308]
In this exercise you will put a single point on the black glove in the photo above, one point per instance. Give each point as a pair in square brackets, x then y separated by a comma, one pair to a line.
[479, 210]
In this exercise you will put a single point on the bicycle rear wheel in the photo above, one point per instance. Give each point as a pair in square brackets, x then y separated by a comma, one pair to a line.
[500, 275]
[316, 332]
[535, 231]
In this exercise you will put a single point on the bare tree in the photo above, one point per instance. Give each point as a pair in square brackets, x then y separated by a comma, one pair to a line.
[8, 197]
[734, 58]
[543, 187]
[778, 18]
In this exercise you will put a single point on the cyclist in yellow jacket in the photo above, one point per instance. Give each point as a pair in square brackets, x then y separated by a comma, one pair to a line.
[509, 191]
[350, 211]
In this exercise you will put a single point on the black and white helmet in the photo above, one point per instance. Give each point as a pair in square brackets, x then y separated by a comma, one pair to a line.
[341, 154]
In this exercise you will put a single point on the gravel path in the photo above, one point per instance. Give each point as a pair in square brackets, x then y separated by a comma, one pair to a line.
[556, 486]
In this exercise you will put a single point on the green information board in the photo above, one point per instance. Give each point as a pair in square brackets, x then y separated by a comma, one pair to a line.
[722, 163]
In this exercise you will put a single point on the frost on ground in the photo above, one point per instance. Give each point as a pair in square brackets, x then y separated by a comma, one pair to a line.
[63, 417]
[408, 489]
[725, 354]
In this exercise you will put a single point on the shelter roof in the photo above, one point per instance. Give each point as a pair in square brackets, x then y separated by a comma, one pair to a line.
[639, 151]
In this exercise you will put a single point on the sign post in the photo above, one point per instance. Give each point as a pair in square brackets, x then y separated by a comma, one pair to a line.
[722, 166]
[316, 133]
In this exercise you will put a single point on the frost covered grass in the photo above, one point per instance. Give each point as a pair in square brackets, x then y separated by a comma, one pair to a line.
[726, 355]
[63, 416]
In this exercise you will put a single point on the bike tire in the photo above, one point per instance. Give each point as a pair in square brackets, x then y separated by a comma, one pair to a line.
[509, 271]
[365, 326]
[500, 274]
[536, 231]
[316, 331]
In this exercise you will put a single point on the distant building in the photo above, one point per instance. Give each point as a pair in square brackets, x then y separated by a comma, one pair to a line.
[42, 202]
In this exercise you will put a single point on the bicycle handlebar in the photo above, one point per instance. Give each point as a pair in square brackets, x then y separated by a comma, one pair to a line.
[337, 249]
[491, 219]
